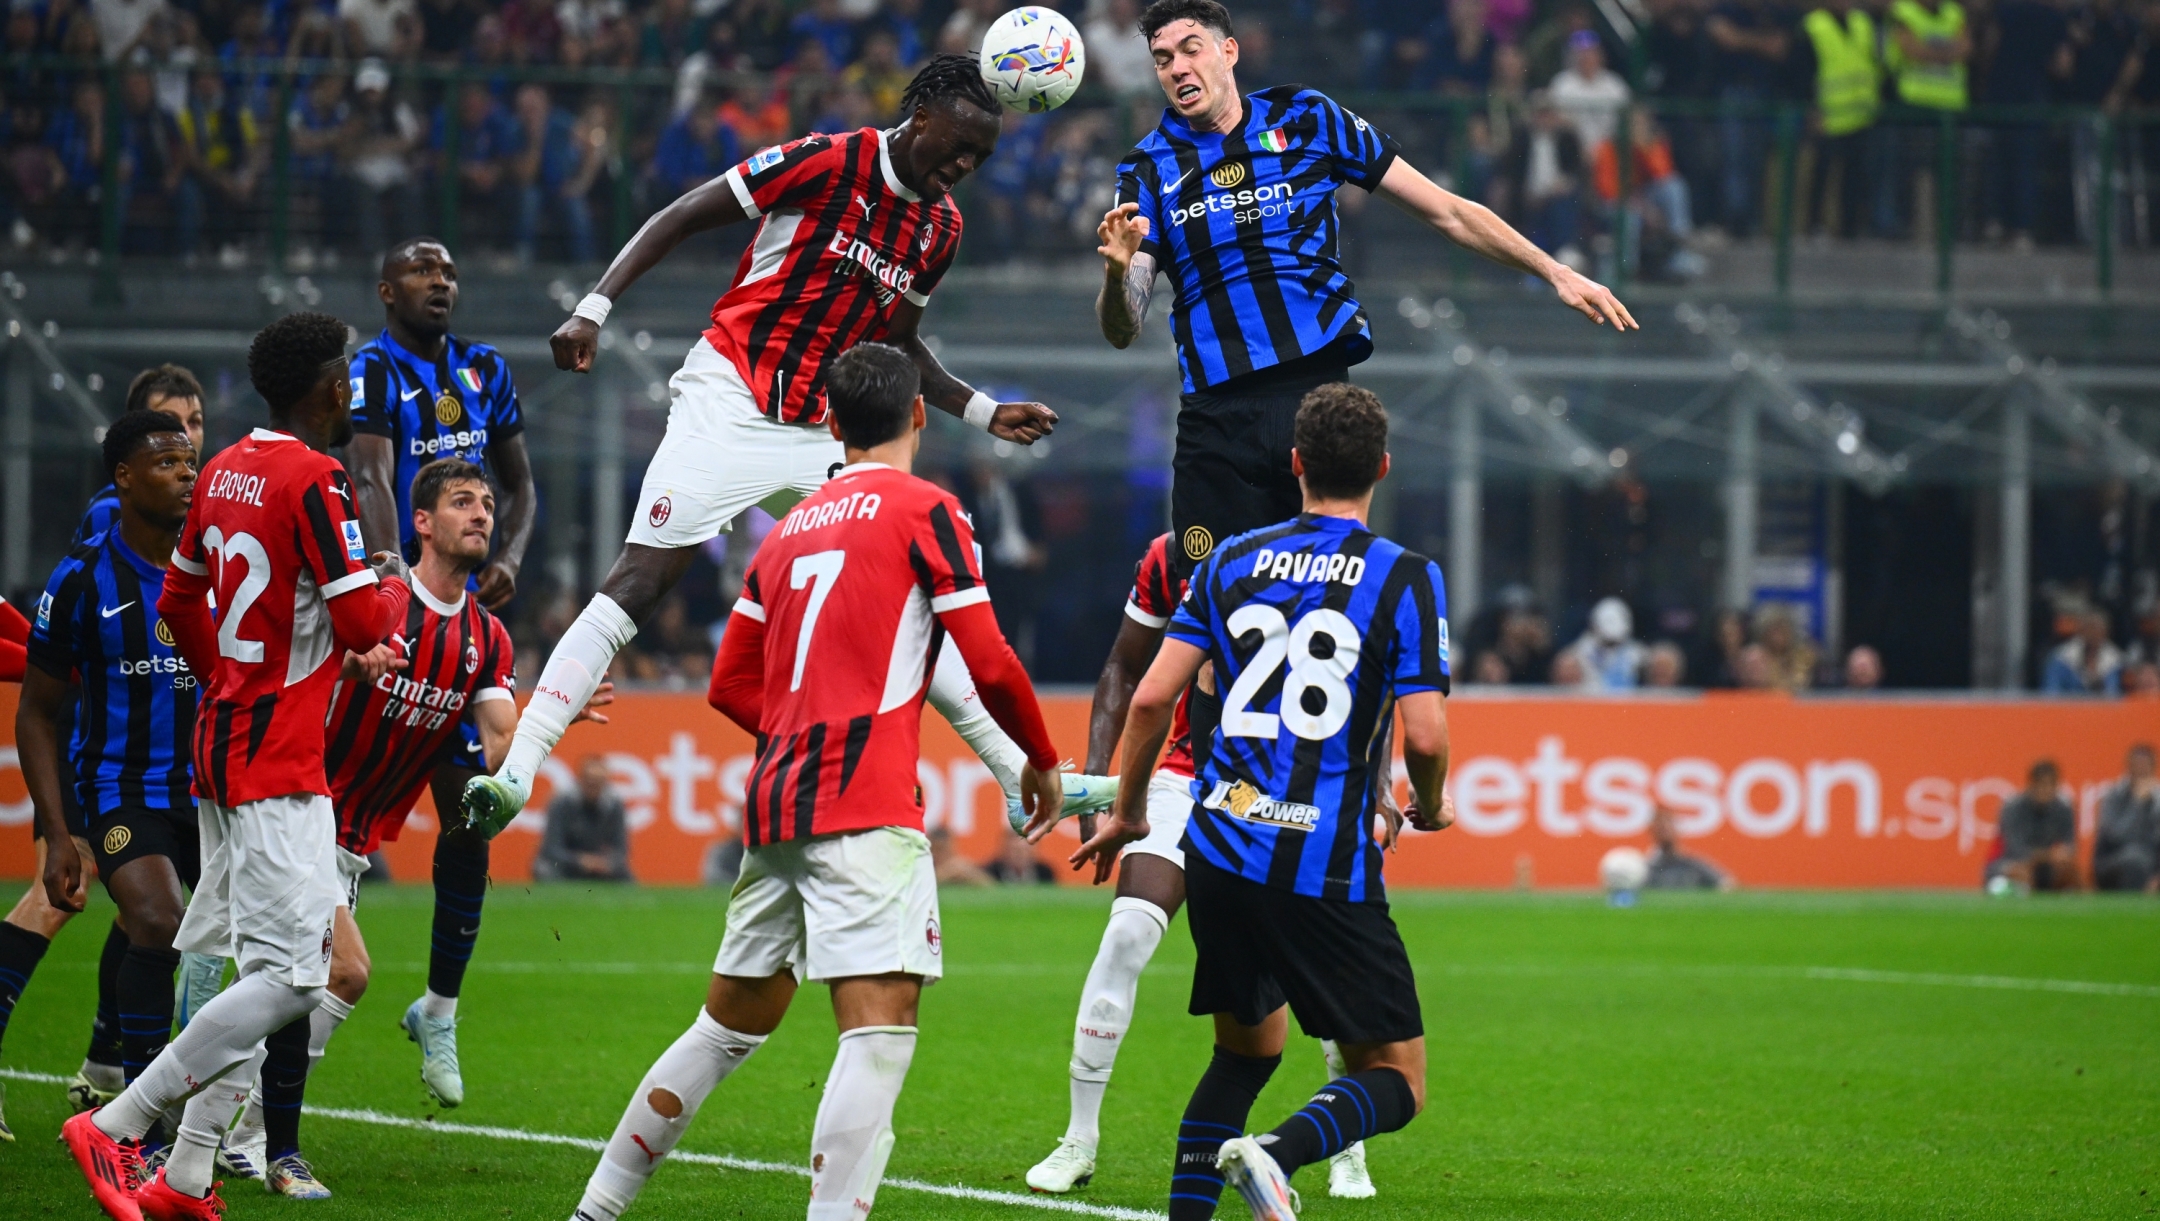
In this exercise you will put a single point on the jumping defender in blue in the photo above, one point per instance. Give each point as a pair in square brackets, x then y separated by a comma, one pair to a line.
[1319, 632]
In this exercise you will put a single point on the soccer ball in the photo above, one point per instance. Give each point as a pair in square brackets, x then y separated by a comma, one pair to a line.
[1623, 870]
[1032, 59]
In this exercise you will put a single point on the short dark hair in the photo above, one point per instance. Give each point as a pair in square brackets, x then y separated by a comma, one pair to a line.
[127, 434]
[2045, 769]
[872, 389]
[162, 381]
[431, 481]
[949, 74]
[404, 251]
[1340, 436]
[1209, 13]
[287, 357]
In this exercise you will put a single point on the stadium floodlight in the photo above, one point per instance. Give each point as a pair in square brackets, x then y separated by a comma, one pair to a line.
[1987, 337]
[1834, 432]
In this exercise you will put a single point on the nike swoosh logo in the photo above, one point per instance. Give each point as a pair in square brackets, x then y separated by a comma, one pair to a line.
[1175, 181]
[469, 932]
[115, 610]
[408, 396]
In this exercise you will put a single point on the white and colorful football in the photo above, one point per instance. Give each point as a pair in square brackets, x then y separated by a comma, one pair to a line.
[1033, 59]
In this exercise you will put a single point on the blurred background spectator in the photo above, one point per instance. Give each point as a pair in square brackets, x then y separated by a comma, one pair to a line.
[1863, 669]
[1672, 869]
[2036, 835]
[587, 837]
[1611, 657]
[1017, 865]
[2126, 850]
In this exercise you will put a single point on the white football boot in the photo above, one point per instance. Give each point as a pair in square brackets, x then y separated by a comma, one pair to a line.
[243, 1152]
[437, 1038]
[1083, 795]
[1347, 1178]
[290, 1176]
[1267, 1191]
[1069, 1165]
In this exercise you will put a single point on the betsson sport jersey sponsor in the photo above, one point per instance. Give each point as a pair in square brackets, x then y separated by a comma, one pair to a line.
[385, 738]
[841, 243]
[1244, 225]
[1316, 627]
[849, 586]
[98, 622]
[453, 406]
[272, 526]
[1153, 600]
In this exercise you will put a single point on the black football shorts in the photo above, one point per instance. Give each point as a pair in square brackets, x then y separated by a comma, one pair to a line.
[130, 832]
[1231, 472]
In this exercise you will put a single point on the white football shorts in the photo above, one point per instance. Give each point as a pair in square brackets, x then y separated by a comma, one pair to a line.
[351, 865]
[721, 455]
[1169, 807]
[834, 906]
[271, 884]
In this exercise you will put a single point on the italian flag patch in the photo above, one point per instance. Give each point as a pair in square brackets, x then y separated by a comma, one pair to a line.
[1275, 141]
[469, 379]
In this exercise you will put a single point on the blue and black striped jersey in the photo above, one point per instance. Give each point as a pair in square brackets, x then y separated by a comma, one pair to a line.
[453, 406]
[100, 515]
[1316, 627]
[1244, 225]
[98, 623]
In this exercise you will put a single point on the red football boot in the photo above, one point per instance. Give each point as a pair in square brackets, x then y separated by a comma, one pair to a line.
[160, 1202]
[111, 1166]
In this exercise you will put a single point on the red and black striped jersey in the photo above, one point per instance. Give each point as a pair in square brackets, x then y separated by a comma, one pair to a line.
[1155, 593]
[841, 242]
[273, 531]
[384, 739]
[846, 598]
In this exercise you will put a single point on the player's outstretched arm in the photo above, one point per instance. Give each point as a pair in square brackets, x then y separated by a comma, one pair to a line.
[709, 206]
[1474, 227]
[514, 521]
[1129, 656]
[1021, 423]
[1128, 275]
[1425, 756]
[37, 738]
[1147, 724]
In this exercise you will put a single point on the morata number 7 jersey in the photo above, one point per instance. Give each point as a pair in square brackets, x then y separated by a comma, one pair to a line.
[1316, 627]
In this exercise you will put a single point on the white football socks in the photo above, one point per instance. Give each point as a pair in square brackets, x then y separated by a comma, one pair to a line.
[572, 674]
[1336, 1069]
[1106, 1008]
[323, 1023]
[435, 1006]
[224, 1035]
[678, 1081]
[952, 693]
[854, 1135]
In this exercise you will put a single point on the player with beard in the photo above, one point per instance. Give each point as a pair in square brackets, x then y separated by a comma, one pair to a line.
[271, 536]
[855, 231]
[449, 662]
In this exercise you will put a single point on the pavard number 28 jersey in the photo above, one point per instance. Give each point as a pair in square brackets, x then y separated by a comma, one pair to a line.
[1316, 627]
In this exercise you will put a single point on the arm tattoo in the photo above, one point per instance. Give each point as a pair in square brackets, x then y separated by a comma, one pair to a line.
[1123, 316]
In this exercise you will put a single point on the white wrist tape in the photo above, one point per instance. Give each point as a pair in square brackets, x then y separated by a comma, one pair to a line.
[594, 308]
[979, 410]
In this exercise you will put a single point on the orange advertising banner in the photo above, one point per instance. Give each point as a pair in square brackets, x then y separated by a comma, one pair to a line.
[1780, 792]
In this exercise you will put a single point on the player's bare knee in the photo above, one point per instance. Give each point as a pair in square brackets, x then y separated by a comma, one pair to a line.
[349, 980]
[155, 928]
[664, 1103]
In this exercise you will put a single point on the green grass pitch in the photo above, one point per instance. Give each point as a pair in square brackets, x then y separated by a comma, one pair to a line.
[1775, 1055]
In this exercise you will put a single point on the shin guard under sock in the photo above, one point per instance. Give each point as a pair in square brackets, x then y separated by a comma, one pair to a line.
[144, 993]
[1217, 1112]
[665, 1103]
[284, 1083]
[20, 952]
[461, 878]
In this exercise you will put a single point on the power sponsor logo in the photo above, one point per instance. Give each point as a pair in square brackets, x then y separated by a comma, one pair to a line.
[1247, 206]
[463, 439]
[1239, 799]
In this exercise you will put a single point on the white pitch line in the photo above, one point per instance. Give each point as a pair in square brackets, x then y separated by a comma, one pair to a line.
[2015, 983]
[949, 1190]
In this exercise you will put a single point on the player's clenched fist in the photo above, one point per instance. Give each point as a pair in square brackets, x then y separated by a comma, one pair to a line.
[1023, 423]
[1121, 232]
[574, 343]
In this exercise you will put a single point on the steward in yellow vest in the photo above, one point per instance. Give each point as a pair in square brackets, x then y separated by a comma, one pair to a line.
[1848, 67]
[1929, 45]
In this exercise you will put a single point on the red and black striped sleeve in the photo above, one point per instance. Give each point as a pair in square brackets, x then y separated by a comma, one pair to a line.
[788, 175]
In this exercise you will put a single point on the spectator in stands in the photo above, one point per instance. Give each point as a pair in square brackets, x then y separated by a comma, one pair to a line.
[1719, 660]
[1928, 45]
[1567, 671]
[587, 837]
[1790, 653]
[1661, 216]
[1488, 669]
[883, 76]
[1017, 865]
[1678, 64]
[1545, 175]
[2126, 852]
[1008, 528]
[1753, 669]
[225, 158]
[2101, 70]
[696, 147]
[822, 22]
[587, 28]
[2087, 663]
[1460, 63]
[1612, 659]
[1749, 45]
[949, 866]
[2141, 680]
[1863, 669]
[1588, 93]
[389, 29]
[316, 127]
[545, 167]
[487, 142]
[1842, 53]
[963, 31]
[153, 161]
[1672, 869]
[1665, 666]
[1116, 53]
[2038, 833]
[2020, 45]
[446, 26]
[375, 153]
[121, 24]
[76, 146]
[1524, 639]
[531, 30]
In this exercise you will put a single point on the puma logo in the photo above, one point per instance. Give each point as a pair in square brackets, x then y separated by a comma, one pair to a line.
[865, 205]
[650, 1156]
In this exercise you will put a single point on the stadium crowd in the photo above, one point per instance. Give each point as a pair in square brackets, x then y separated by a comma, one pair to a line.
[1546, 95]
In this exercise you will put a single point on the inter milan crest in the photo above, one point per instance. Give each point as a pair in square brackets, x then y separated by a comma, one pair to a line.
[164, 633]
[449, 409]
[1198, 542]
[1228, 174]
